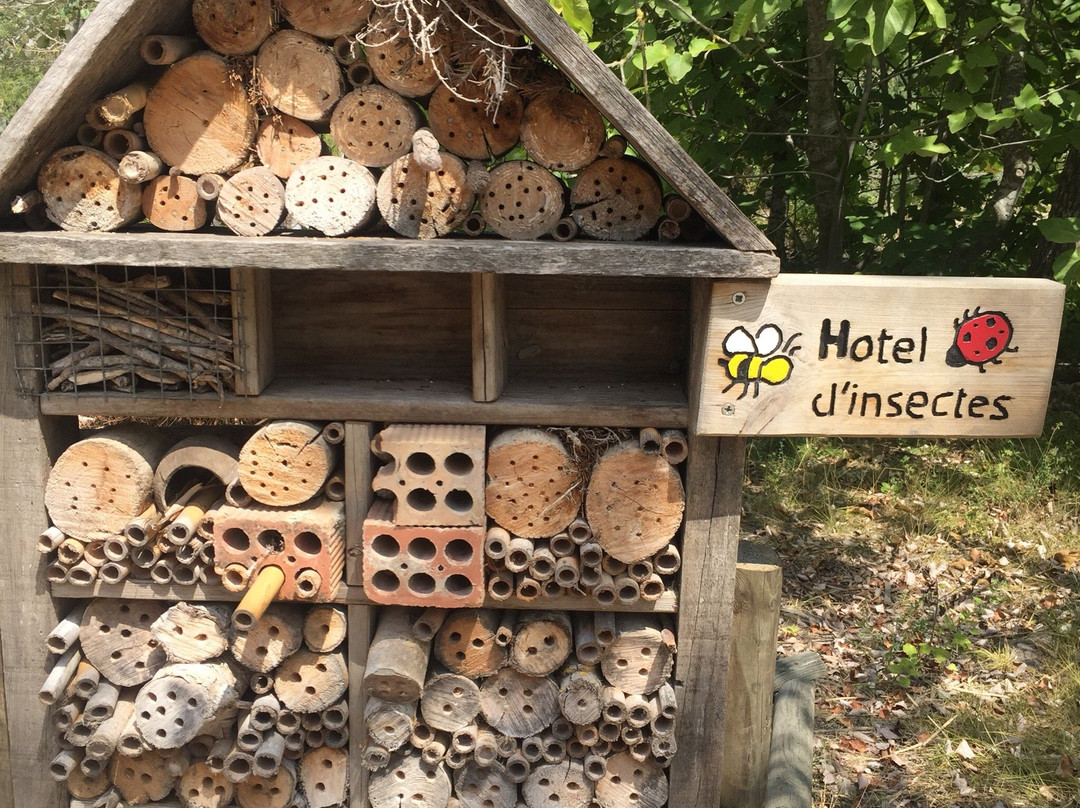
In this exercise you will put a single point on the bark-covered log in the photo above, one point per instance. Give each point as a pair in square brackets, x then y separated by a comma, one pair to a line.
[397, 662]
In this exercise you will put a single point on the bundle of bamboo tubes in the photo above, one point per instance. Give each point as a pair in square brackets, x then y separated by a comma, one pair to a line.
[232, 128]
[607, 530]
[566, 711]
[151, 699]
[151, 330]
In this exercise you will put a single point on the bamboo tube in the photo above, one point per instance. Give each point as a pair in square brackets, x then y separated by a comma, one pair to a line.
[591, 554]
[528, 589]
[676, 208]
[612, 566]
[604, 591]
[579, 531]
[238, 765]
[595, 767]
[64, 764]
[264, 712]
[554, 749]
[500, 585]
[288, 722]
[551, 589]
[119, 142]
[307, 584]
[652, 588]
[61, 674]
[206, 554]
[184, 527]
[336, 716]
[542, 564]
[576, 750]
[248, 738]
[261, 683]
[188, 554]
[258, 598]
[474, 225]
[640, 570]
[333, 433]
[588, 577]
[604, 626]
[359, 73]
[116, 549]
[561, 728]
[428, 624]
[162, 571]
[567, 572]
[141, 530]
[89, 136]
[586, 735]
[496, 543]
[70, 551]
[268, 755]
[334, 489]
[311, 721]
[668, 230]
[66, 716]
[649, 440]
[375, 757]
[23, 203]
[486, 749]
[640, 751]
[118, 108]
[66, 633]
[347, 50]
[532, 749]
[235, 577]
[565, 229]
[145, 557]
[673, 446]
[614, 702]
[160, 49]
[235, 494]
[94, 553]
[663, 748]
[85, 681]
[517, 768]
[335, 738]
[102, 704]
[50, 539]
[667, 561]
[106, 737]
[639, 710]
[57, 573]
[464, 739]
[140, 166]
[294, 741]
[504, 634]
[519, 554]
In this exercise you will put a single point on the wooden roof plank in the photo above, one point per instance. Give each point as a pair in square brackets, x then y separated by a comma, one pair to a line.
[651, 140]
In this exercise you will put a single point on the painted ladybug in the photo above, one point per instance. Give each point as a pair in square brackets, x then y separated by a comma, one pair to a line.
[981, 337]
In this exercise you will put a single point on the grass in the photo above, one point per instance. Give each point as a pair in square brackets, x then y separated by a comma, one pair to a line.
[939, 581]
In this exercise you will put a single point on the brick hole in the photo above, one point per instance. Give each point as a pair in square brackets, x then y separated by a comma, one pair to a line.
[459, 586]
[385, 581]
[236, 539]
[307, 542]
[422, 584]
[459, 551]
[271, 540]
[420, 499]
[421, 548]
[386, 546]
[459, 501]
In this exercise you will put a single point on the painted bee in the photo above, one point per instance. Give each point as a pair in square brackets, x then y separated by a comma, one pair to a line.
[750, 361]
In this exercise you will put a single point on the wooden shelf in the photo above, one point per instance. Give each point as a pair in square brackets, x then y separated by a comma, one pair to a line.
[579, 403]
[350, 595]
[365, 253]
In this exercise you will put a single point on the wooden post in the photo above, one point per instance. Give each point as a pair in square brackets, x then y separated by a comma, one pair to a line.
[791, 754]
[489, 341]
[748, 724]
[253, 335]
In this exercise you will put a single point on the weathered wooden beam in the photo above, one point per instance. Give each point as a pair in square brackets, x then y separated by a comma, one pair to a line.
[791, 756]
[358, 496]
[491, 369]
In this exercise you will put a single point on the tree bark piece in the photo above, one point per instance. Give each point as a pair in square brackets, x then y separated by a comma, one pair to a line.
[202, 453]
[233, 27]
[542, 642]
[518, 705]
[298, 75]
[327, 20]
[408, 783]
[286, 463]
[274, 637]
[324, 774]
[424, 204]
[192, 632]
[463, 124]
[201, 787]
[562, 130]
[520, 497]
[563, 784]
[639, 660]
[142, 779]
[325, 628]
[332, 195]
[198, 117]
[523, 201]
[466, 643]
[397, 662]
[284, 142]
[115, 636]
[374, 125]
[450, 702]
[83, 191]
[635, 502]
[173, 707]
[173, 203]
[252, 202]
[484, 787]
[389, 724]
[628, 782]
[308, 682]
[615, 200]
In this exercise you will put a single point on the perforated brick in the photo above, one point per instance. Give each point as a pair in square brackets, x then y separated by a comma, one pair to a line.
[422, 566]
[435, 474]
[296, 540]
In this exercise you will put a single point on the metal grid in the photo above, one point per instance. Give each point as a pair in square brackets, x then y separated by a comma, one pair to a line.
[128, 331]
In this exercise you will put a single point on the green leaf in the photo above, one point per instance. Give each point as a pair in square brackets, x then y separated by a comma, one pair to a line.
[985, 110]
[937, 13]
[1028, 98]
[981, 55]
[678, 65]
[1067, 266]
[699, 46]
[744, 17]
[1061, 230]
[958, 120]
[577, 16]
[897, 17]
[910, 649]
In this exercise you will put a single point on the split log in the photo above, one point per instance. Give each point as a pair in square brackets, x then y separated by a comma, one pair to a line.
[332, 195]
[523, 201]
[172, 708]
[66, 632]
[389, 724]
[397, 661]
[579, 695]
[283, 142]
[424, 204]
[519, 496]
[117, 143]
[615, 200]
[162, 49]
[140, 166]
[172, 203]
[252, 202]
[199, 118]
[563, 784]
[115, 636]
[465, 126]
[407, 782]
[562, 131]
[396, 62]
[327, 20]
[298, 75]
[466, 643]
[324, 773]
[142, 779]
[374, 125]
[479, 786]
[542, 642]
[519, 705]
[325, 628]
[519, 551]
[60, 676]
[500, 585]
[192, 632]
[639, 660]
[286, 463]
[202, 787]
[83, 191]
[450, 702]
[308, 682]
[275, 636]
[268, 792]
[635, 502]
[233, 27]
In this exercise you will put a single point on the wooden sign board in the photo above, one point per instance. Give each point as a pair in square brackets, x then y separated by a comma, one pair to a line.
[878, 356]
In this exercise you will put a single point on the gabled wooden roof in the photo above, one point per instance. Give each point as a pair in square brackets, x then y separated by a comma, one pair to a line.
[104, 55]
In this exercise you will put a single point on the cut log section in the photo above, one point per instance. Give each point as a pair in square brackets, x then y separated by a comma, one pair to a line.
[579, 696]
[115, 637]
[542, 642]
[534, 487]
[172, 203]
[424, 204]
[485, 787]
[199, 118]
[142, 779]
[629, 782]
[284, 142]
[616, 200]
[333, 195]
[192, 632]
[396, 62]
[407, 782]
[639, 659]
[201, 787]
[191, 457]
[523, 200]
[325, 628]
[518, 705]
[83, 191]
[274, 637]
[252, 202]
[374, 125]
[328, 19]
[466, 643]
[286, 463]
[298, 75]
[563, 784]
[635, 502]
[463, 124]
[562, 130]
[233, 27]
[450, 702]
[307, 682]
[324, 773]
[397, 661]
[274, 791]
[172, 708]
[389, 724]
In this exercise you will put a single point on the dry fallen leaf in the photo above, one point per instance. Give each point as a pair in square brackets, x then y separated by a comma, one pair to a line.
[1065, 768]
[964, 750]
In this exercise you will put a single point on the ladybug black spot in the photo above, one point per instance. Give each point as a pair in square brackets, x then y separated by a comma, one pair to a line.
[991, 343]
[967, 337]
[991, 321]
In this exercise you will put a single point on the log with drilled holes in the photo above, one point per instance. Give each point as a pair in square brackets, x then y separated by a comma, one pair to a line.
[83, 191]
[172, 203]
[464, 125]
[466, 643]
[615, 199]
[374, 125]
[275, 636]
[286, 463]
[192, 632]
[419, 203]
[324, 774]
[233, 27]
[450, 702]
[397, 661]
[284, 142]
[172, 708]
[406, 782]
[533, 485]
[299, 76]
[396, 62]
[523, 200]
[252, 202]
[562, 130]
[542, 642]
[333, 195]
[328, 19]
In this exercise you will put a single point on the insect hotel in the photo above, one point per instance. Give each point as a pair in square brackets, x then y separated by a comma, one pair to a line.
[376, 381]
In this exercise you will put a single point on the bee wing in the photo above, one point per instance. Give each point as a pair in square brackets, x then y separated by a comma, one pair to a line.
[768, 339]
[739, 340]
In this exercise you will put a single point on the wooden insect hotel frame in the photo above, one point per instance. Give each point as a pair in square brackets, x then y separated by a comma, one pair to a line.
[696, 343]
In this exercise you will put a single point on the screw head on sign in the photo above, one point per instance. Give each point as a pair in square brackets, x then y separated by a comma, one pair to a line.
[738, 298]
[728, 409]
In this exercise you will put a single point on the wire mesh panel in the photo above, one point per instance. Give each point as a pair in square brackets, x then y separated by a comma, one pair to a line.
[130, 331]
